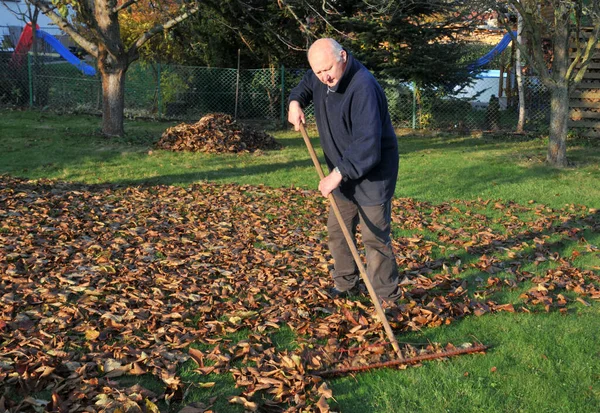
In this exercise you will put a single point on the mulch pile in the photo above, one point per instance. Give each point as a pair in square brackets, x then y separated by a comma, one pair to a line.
[216, 133]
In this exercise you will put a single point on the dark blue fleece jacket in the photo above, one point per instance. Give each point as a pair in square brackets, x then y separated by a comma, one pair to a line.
[355, 131]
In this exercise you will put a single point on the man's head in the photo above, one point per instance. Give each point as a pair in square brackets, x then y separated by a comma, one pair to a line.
[328, 60]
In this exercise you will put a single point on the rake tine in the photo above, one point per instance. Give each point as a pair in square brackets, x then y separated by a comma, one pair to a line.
[409, 360]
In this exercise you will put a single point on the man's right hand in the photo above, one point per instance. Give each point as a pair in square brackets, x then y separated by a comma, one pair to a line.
[296, 115]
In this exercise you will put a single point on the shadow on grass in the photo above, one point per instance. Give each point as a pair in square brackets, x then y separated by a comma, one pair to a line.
[481, 178]
[414, 143]
[214, 174]
[568, 233]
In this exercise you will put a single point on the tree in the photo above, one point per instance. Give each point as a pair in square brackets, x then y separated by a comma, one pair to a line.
[409, 38]
[563, 23]
[403, 38]
[519, 72]
[28, 14]
[267, 32]
[95, 26]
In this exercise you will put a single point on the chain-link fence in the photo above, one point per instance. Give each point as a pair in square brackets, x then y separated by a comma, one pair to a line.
[487, 103]
[187, 93]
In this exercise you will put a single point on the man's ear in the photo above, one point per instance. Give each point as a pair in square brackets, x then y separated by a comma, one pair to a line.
[344, 56]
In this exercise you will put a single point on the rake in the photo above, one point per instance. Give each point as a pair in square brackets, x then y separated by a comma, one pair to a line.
[363, 273]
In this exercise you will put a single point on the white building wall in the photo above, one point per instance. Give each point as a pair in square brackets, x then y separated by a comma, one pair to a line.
[481, 90]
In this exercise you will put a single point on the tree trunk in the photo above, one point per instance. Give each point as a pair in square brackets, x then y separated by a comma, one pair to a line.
[510, 87]
[113, 99]
[559, 117]
[113, 61]
[501, 81]
[559, 101]
[519, 72]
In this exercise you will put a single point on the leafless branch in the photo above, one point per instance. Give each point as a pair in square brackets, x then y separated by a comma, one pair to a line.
[533, 32]
[65, 26]
[328, 8]
[280, 37]
[18, 13]
[304, 27]
[326, 21]
[124, 5]
[584, 59]
[159, 28]
[239, 33]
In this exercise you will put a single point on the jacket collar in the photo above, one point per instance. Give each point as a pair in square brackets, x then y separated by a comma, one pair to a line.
[351, 68]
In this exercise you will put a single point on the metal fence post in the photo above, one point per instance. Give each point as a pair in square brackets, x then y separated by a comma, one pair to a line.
[282, 96]
[414, 112]
[237, 86]
[158, 91]
[30, 77]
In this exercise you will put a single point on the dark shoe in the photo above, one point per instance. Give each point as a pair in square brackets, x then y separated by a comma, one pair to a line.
[335, 293]
[389, 308]
[392, 308]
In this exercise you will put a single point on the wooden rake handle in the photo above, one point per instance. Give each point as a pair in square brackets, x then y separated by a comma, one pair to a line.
[350, 240]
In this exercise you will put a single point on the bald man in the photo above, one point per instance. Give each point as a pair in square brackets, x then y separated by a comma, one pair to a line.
[361, 151]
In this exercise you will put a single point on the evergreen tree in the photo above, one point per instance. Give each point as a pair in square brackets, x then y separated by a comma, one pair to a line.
[412, 40]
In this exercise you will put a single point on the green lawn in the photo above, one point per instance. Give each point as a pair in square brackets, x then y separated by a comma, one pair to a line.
[435, 168]
[483, 211]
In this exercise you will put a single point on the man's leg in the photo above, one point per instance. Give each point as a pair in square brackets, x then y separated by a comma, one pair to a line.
[375, 227]
[345, 271]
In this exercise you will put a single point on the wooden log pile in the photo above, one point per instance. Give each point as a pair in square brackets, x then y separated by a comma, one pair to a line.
[216, 133]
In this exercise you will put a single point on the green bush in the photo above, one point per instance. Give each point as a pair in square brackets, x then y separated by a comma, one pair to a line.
[14, 87]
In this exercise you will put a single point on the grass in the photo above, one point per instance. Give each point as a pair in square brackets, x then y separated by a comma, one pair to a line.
[538, 362]
[436, 168]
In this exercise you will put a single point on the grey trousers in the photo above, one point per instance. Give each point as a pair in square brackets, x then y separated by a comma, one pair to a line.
[375, 225]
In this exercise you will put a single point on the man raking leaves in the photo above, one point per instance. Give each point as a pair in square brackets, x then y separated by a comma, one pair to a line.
[361, 151]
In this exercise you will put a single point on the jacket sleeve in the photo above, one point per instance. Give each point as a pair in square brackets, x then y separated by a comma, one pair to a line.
[364, 150]
[303, 93]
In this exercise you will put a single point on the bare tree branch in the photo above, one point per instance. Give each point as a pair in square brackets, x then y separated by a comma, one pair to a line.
[65, 26]
[240, 34]
[280, 37]
[18, 13]
[584, 59]
[537, 60]
[331, 9]
[326, 21]
[124, 5]
[159, 28]
[304, 27]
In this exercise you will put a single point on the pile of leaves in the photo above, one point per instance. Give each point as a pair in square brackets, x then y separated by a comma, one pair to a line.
[101, 282]
[216, 133]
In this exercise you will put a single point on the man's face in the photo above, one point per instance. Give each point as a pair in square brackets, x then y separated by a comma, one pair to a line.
[327, 67]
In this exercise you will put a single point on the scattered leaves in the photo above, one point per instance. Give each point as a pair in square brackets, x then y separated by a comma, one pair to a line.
[98, 282]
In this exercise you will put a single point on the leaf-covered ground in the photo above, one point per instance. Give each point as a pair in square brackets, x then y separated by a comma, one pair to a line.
[100, 282]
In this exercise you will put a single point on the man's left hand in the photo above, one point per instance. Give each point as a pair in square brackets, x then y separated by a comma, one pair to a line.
[329, 183]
